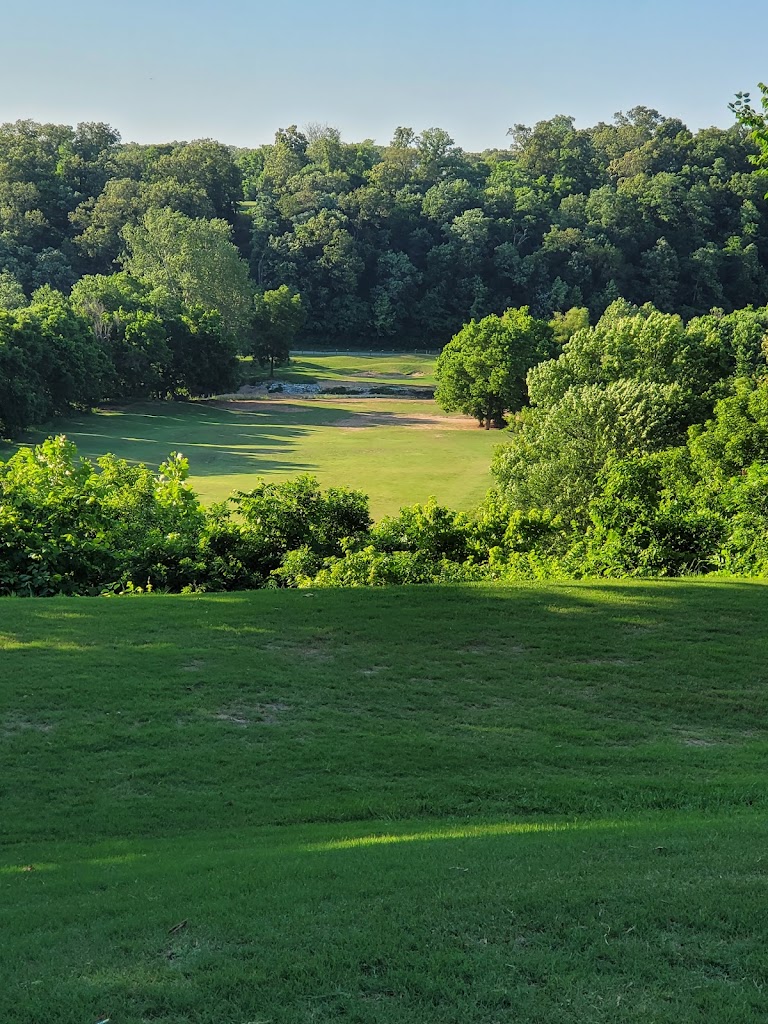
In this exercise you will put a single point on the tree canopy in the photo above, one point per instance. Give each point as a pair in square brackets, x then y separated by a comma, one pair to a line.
[406, 242]
[482, 369]
[191, 261]
[278, 318]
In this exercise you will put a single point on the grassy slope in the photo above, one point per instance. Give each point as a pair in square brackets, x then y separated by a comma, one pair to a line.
[364, 368]
[336, 792]
[228, 447]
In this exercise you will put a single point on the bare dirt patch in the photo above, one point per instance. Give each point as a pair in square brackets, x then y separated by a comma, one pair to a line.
[15, 724]
[254, 714]
[356, 419]
[235, 719]
[419, 420]
[313, 649]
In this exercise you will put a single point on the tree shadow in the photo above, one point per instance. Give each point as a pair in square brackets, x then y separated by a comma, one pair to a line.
[217, 442]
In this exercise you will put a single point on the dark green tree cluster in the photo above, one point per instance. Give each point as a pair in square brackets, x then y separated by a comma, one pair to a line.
[66, 195]
[401, 242]
[108, 340]
[50, 362]
[410, 240]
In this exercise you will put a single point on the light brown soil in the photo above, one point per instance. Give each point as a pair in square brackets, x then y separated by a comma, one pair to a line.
[422, 421]
[357, 419]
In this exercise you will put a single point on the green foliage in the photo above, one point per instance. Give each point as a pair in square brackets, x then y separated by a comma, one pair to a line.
[191, 262]
[431, 529]
[406, 241]
[754, 121]
[646, 520]
[11, 293]
[278, 317]
[109, 340]
[565, 325]
[50, 362]
[203, 359]
[641, 345]
[556, 450]
[278, 518]
[482, 370]
[70, 527]
[737, 436]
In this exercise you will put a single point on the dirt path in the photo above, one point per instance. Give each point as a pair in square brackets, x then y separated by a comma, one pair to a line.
[357, 418]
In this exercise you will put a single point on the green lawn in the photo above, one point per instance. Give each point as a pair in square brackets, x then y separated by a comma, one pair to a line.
[363, 368]
[398, 451]
[534, 804]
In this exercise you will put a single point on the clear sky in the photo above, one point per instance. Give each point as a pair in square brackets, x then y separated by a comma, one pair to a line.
[236, 71]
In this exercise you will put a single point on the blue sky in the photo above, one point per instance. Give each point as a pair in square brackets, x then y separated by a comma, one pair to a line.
[237, 71]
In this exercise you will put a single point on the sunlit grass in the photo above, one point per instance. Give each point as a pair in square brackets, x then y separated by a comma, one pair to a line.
[392, 449]
[505, 828]
[407, 369]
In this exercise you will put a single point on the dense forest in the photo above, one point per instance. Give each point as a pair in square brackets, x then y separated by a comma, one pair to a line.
[399, 243]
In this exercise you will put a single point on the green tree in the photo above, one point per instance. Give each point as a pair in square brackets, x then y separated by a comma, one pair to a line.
[192, 262]
[204, 360]
[50, 362]
[639, 344]
[278, 318]
[482, 369]
[11, 293]
[398, 279]
[557, 450]
[208, 168]
[754, 121]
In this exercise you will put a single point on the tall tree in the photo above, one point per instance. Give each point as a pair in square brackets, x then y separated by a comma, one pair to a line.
[192, 262]
[482, 370]
[279, 316]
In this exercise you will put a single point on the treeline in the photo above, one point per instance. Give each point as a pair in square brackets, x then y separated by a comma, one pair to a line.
[405, 241]
[644, 451]
[110, 340]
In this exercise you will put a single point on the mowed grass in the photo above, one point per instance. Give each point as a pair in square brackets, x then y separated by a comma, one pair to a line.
[362, 368]
[532, 804]
[397, 451]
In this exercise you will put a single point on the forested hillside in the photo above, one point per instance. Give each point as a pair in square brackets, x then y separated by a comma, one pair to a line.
[403, 242]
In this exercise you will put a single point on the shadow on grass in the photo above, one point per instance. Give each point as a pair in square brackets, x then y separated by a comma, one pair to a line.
[431, 615]
[237, 438]
[216, 441]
